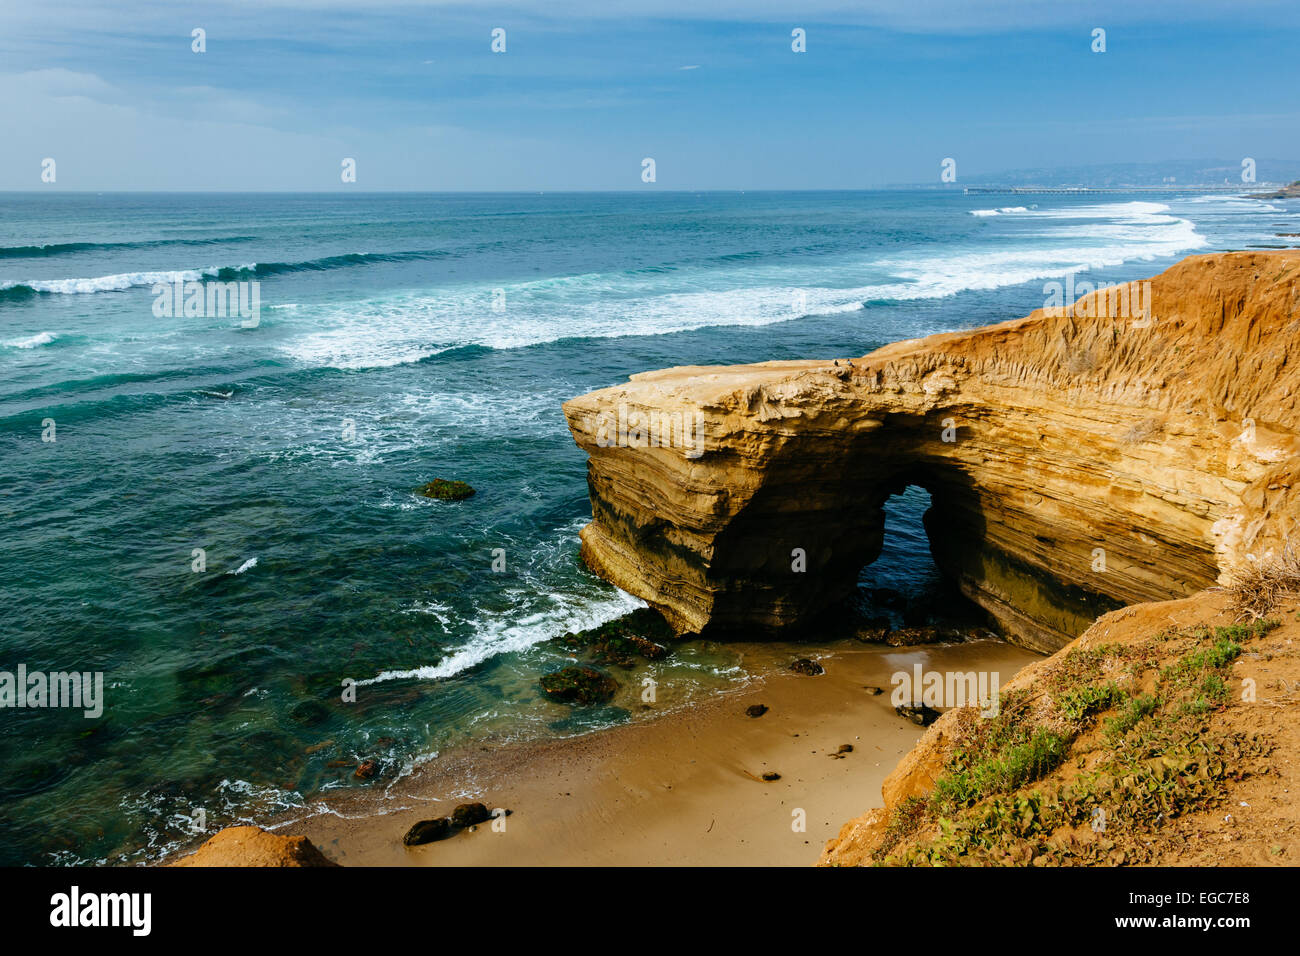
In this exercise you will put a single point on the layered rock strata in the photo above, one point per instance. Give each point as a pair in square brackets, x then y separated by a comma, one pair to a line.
[1140, 445]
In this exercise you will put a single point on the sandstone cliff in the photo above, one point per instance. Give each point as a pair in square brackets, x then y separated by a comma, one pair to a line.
[1077, 461]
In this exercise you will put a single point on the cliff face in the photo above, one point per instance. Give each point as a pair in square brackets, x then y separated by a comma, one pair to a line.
[1140, 446]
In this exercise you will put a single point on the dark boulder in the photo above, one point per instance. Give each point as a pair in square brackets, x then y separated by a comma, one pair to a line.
[918, 714]
[470, 814]
[428, 831]
[809, 667]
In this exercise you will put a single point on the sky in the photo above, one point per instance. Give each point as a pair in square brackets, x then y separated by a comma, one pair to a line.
[586, 90]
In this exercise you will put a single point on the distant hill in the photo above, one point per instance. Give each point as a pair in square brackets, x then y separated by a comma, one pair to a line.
[1197, 172]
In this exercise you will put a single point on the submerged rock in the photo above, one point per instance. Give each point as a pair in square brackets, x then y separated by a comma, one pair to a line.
[806, 666]
[579, 684]
[428, 831]
[366, 769]
[445, 490]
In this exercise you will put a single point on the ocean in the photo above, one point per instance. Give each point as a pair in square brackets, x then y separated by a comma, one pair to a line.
[218, 515]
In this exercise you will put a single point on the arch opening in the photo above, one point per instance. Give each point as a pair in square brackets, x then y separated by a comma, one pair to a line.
[903, 589]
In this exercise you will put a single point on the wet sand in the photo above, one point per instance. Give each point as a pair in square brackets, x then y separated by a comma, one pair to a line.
[681, 788]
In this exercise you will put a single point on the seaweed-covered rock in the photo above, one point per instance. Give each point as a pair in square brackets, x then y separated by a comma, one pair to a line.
[873, 630]
[470, 814]
[366, 769]
[579, 684]
[642, 633]
[806, 666]
[445, 490]
[428, 831]
[930, 634]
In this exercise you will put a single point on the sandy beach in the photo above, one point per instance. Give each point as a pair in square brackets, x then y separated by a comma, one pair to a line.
[681, 788]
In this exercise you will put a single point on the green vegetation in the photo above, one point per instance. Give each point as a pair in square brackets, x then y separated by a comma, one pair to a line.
[1075, 705]
[1133, 751]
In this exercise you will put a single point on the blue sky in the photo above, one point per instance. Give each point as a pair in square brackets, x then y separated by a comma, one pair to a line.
[585, 90]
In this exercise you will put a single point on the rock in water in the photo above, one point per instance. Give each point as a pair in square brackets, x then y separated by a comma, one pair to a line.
[445, 490]
[428, 831]
[643, 633]
[366, 769]
[579, 684]
[756, 710]
[806, 666]
[470, 814]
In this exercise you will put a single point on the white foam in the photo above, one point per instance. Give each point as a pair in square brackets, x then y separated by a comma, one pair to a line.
[37, 340]
[1000, 211]
[405, 327]
[114, 283]
[247, 565]
[494, 636]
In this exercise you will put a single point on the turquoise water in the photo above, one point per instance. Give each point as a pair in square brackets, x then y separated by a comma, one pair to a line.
[404, 338]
